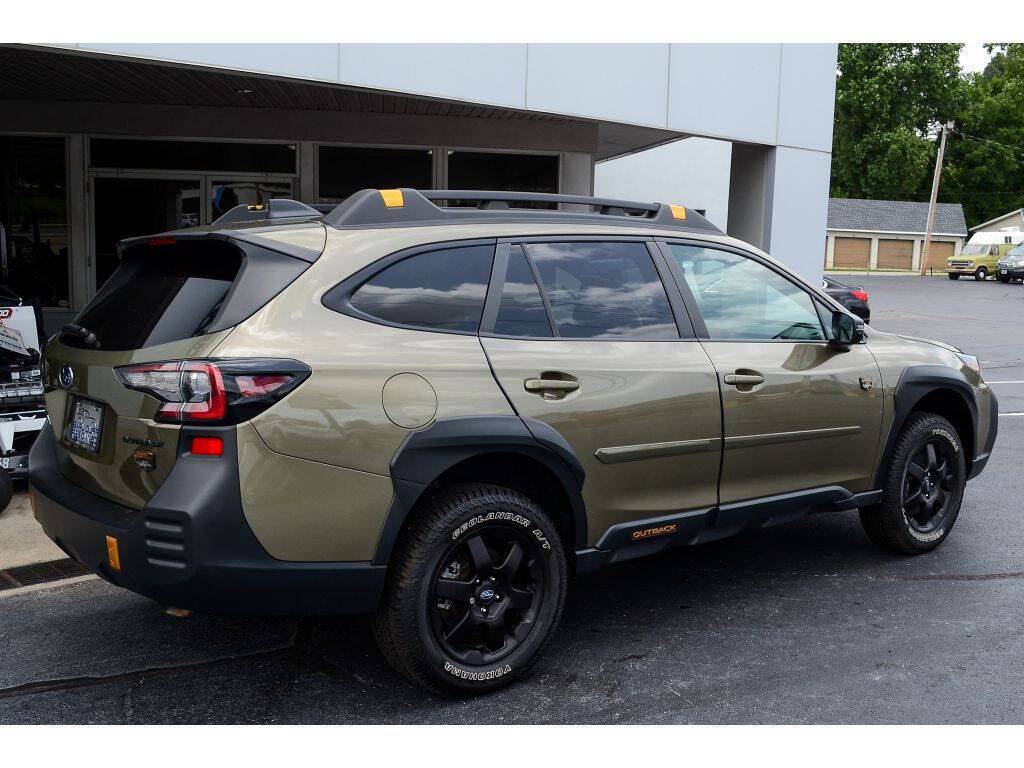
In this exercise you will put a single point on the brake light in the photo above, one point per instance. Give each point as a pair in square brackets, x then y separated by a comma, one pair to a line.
[860, 295]
[213, 392]
[162, 241]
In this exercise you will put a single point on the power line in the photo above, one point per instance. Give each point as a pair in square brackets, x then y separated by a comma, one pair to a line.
[1011, 147]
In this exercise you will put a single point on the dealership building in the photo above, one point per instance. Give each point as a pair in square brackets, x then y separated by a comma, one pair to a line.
[102, 142]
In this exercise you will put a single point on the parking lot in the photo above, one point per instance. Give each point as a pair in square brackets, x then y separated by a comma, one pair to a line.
[805, 622]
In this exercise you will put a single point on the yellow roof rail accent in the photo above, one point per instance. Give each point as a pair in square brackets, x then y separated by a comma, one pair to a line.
[392, 197]
[678, 212]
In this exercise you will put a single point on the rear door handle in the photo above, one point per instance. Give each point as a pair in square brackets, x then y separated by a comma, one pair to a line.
[739, 379]
[551, 385]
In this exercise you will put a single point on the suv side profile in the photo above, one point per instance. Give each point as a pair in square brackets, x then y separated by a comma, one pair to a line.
[438, 414]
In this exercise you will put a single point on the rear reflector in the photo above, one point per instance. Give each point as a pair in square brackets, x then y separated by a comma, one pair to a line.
[207, 446]
[162, 241]
[112, 555]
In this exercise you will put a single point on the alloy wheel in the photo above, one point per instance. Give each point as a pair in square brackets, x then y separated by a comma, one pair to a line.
[486, 594]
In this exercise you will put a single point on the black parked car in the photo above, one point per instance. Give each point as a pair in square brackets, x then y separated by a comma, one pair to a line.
[853, 297]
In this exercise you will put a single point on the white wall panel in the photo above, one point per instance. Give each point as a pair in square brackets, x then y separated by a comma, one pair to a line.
[799, 210]
[622, 83]
[807, 96]
[725, 91]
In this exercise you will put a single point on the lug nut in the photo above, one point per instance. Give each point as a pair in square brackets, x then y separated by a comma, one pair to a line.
[493, 578]
[472, 601]
[497, 598]
[483, 611]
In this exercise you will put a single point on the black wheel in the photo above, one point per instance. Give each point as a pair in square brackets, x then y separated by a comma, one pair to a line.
[981, 273]
[923, 488]
[475, 589]
[953, 276]
[1002, 279]
[6, 490]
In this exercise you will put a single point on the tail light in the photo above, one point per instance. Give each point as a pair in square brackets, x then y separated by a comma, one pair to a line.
[213, 391]
[860, 295]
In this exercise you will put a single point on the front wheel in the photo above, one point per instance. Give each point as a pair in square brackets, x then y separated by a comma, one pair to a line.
[953, 276]
[981, 273]
[475, 589]
[922, 489]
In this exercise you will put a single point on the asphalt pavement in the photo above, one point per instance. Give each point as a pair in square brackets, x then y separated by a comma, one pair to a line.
[801, 623]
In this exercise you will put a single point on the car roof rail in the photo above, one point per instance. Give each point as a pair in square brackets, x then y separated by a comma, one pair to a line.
[275, 208]
[373, 208]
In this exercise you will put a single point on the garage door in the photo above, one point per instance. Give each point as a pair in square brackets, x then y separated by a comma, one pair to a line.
[851, 253]
[895, 254]
[937, 256]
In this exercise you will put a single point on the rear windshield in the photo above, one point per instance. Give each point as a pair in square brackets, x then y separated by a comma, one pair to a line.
[162, 293]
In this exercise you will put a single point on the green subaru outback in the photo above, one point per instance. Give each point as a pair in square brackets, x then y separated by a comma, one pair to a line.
[437, 414]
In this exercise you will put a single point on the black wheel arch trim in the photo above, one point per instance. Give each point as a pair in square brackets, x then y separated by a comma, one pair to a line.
[915, 383]
[428, 453]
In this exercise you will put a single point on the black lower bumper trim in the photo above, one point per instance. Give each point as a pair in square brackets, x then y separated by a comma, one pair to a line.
[190, 546]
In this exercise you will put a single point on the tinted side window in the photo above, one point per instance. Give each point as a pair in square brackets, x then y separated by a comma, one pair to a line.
[441, 289]
[740, 298]
[603, 290]
[521, 312]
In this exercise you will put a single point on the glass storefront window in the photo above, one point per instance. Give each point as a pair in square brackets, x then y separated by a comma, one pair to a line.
[129, 207]
[507, 172]
[345, 170]
[33, 219]
[159, 154]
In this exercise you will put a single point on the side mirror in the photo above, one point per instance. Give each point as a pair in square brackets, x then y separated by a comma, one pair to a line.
[846, 329]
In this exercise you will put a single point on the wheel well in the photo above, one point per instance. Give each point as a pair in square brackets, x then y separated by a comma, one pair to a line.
[950, 405]
[520, 473]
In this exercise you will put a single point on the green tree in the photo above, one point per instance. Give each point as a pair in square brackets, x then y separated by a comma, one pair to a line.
[890, 99]
[985, 157]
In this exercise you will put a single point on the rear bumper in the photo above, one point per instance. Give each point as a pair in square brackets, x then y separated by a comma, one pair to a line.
[190, 546]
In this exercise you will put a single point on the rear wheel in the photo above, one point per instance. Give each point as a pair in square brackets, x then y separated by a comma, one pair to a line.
[953, 276]
[475, 590]
[981, 273]
[922, 490]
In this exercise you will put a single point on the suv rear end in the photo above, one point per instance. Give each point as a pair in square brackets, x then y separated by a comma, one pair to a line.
[137, 473]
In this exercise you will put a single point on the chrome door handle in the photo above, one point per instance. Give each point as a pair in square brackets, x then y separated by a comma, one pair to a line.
[551, 385]
[739, 379]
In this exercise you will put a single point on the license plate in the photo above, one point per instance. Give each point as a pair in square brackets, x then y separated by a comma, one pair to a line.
[86, 424]
[1002, 271]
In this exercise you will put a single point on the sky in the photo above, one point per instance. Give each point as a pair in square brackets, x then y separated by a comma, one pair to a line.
[973, 57]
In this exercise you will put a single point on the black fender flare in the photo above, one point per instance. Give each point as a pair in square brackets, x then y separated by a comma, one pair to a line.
[915, 382]
[426, 454]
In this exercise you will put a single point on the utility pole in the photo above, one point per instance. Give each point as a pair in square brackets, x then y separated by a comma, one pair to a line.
[946, 127]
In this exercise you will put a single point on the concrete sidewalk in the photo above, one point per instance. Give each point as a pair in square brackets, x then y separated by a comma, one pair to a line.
[22, 541]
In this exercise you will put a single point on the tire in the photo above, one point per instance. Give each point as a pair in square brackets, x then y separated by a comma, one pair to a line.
[1002, 279]
[953, 276]
[981, 273]
[922, 488]
[448, 640]
[6, 490]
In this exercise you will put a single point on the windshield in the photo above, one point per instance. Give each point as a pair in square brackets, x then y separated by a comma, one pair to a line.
[974, 250]
[1018, 251]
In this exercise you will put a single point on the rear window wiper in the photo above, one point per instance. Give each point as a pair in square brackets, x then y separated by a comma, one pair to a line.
[84, 335]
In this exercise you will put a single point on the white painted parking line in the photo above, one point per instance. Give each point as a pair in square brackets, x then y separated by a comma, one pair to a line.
[1013, 413]
[1016, 381]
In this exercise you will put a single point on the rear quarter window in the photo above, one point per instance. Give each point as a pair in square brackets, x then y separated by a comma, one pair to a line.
[440, 289]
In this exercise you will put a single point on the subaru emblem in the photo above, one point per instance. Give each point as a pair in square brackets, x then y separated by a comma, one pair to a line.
[67, 377]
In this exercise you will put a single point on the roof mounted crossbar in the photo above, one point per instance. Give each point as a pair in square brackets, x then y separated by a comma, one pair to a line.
[372, 208]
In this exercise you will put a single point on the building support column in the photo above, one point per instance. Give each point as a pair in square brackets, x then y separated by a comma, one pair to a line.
[873, 258]
[915, 260]
[778, 201]
[830, 252]
[78, 223]
[308, 172]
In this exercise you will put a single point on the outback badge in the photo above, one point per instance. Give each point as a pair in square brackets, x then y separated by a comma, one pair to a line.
[145, 460]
